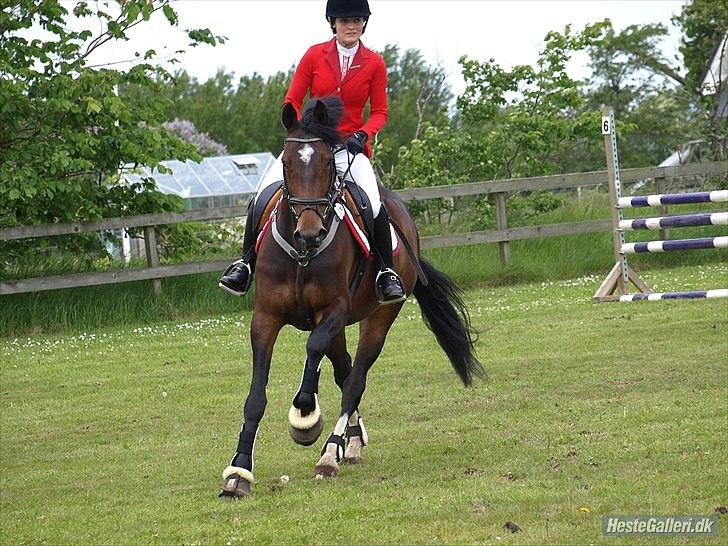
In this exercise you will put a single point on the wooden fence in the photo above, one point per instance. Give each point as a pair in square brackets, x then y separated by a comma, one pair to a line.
[502, 235]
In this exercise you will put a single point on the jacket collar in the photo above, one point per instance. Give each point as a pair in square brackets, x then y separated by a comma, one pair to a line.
[359, 61]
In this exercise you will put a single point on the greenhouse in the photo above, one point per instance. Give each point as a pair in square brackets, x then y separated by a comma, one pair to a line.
[216, 182]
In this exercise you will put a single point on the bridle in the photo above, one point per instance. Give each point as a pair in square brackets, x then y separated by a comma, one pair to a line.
[330, 218]
[333, 194]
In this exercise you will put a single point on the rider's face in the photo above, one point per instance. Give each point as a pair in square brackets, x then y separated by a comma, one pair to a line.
[348, 30]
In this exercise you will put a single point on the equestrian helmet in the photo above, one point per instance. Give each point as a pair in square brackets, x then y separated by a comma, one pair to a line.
[347, 8]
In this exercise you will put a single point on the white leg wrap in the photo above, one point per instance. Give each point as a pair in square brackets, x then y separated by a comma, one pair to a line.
[356, 419]
[304, 423]
[341, 425]
[247, 475]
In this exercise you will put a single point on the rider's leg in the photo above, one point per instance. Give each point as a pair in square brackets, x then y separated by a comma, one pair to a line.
[389, 285]
[237, 277]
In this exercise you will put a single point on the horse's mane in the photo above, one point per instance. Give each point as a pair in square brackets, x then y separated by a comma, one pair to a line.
[329, 132]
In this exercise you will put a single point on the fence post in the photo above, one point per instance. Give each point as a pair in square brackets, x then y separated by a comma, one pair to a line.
[150, 245]
[501, 221]
[660, 187]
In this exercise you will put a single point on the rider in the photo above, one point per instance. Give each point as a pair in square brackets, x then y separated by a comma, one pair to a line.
[342, 66]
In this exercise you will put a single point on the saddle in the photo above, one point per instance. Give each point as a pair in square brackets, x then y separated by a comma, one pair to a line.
[358, 214]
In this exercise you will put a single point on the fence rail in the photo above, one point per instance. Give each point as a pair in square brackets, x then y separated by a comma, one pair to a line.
[502, 236]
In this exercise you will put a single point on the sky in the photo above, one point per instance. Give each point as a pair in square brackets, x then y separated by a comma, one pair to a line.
[266, 36]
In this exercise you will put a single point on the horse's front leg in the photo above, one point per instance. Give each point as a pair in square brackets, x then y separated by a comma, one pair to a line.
[306, 421]
[238, 476]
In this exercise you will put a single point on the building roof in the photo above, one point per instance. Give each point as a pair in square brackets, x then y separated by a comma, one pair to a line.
[716, 71]
[687, 153]
[222, 175]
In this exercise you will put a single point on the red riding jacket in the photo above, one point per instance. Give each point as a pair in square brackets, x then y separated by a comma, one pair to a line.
[319, 72]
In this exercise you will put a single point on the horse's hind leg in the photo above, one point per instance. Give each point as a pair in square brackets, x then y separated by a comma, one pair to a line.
[372, 333]
[238, 476]
[355, 431]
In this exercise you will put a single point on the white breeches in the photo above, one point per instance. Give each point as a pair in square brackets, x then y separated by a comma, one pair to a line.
[361, 172]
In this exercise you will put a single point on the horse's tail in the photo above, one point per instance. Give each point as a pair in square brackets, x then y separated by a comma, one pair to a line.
[444, 312]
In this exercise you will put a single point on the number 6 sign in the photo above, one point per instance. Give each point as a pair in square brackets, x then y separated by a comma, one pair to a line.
[606, 126]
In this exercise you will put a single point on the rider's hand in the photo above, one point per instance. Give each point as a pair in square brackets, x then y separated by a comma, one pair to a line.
[356, 142]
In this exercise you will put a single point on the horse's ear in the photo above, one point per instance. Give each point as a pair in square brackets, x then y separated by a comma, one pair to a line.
[320, 113]
[289, 118]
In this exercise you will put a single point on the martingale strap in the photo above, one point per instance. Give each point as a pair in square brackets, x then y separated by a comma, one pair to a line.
[304, 259]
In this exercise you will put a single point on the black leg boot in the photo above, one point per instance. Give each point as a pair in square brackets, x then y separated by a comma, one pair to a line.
[389, 287]
[237, 277]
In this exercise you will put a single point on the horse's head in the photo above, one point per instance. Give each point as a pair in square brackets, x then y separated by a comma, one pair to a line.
[309, 171]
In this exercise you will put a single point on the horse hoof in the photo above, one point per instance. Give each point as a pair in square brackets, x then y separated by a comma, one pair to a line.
[308, 436]
[326, 467]
[353, 460]
[324, 471]
[235, 487]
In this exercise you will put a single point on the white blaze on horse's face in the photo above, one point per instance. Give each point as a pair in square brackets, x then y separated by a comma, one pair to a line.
[306, 152]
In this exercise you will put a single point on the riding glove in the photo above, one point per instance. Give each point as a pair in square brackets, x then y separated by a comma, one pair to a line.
[355, 143]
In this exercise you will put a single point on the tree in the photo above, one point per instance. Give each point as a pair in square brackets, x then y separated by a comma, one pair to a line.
[187, 131]
[704, 24]
[510, 123]
[244, 116]
[655, 111]
[658, 99]
[66, 133]
[528, 119]
[418, 94]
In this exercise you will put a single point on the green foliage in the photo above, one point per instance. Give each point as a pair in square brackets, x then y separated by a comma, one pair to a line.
[524, 209]
[525, 119]
[418, 95]
[66, 133]
[649, 97]
[703, 23]
[623, 66]
[511, 123]
[242, 115]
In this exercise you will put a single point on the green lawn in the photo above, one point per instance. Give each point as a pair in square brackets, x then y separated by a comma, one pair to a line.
[119, 436]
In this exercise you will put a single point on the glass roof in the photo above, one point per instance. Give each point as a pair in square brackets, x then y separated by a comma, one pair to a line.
[224, 175]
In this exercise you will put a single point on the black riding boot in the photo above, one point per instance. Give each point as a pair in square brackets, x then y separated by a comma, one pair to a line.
[237, 277]
[389, 287]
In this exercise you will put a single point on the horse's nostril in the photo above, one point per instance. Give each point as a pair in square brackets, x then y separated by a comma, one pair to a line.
[322, 233]
[297, 236]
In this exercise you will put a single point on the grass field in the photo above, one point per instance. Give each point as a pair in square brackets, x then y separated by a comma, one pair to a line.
[119, 435]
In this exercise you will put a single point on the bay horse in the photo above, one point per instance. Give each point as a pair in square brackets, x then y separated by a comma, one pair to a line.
[307, 272]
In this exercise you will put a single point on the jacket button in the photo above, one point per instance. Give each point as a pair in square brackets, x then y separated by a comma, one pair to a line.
[338, 89]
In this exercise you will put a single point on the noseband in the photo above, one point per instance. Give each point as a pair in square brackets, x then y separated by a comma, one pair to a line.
[313, 203]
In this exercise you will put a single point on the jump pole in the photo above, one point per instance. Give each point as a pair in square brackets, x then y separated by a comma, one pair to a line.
[617, 281]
